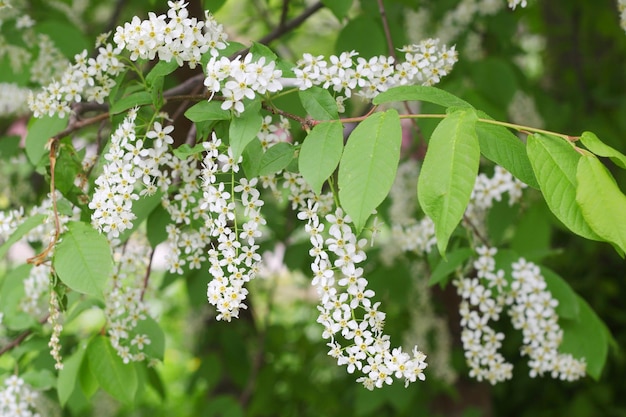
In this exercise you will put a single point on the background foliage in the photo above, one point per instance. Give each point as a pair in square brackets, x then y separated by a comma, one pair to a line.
[567, 58]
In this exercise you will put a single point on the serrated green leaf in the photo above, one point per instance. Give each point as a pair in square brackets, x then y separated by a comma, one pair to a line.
[275, 159]
[39, 132]
[252, 156]
[586, 338]
[243, 129]
[156, 226]
[207, 110]
[113, 375]
[68, 376]
[319, 103]
[184, 151]
[421, 93]
[320, 154]
[447, 266]
[568, 307]
[161, 69]
[554, 163]
[82, 259]
[368, 165]
[259, 50]
[339, 8]
[150, 328]
[595, 145]
[449, 172]
[502, 147]
[25, 227]
[601, 201]
[139, 98]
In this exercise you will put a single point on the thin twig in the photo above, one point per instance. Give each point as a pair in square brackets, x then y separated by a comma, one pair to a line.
[19, 339]
[117, 11]
[383, 17]
[284, 13]
[146, 277]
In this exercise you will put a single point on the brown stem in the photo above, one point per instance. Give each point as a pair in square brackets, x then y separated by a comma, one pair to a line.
[19, 339]
[383, 16]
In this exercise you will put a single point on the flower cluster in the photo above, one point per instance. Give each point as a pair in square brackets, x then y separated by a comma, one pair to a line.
[352, 322]
[233, 255]
[13, 99]
[241, 79]
[55, 338]
[532, 309]
[182, 38]
[424, 64]
[125, 308]
[17, 398]
[36, 286]
[131, 164]
[514, 3]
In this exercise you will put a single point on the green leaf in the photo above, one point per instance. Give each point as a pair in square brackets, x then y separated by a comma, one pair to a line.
[320, 154]
[207, 110]
[586, 338]
[252, 156]
[363, 34]
[259, 50]
[449, 172]
[184, 151]
[156, 226]
[149, 327]
[502, 147]
[39, 132]
[161, 69]
[140, 98]
[368, 165]
[554, 162]
[243, 129]
[447, 266]
[495, 79]
[421, 93]
[26, 226]
[319, 103]
[68, 376]
[602, 203]
[113, 375]
[568, 307]
[65, 36]
[339, 8]
[82, 259]
[595, 145]
[275, 159]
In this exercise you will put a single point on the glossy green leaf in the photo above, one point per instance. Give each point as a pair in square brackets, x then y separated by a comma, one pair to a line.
[447, 266]
[502, 147]
[421, 93]
[449, 172]
[586, 338]
[140, 98]
[339, 8]
[68, 376]
[161, 69]
[259, 50]
[320, 154]
[252, 156]
[595, 145]
[554, 162]
[82, 259]
[602, 203]
[275, 159]
[568, 307]
[113, 375]
[26, 226]
[207, 110]
[156, 348]
[39, 133]
[319, 103]
[184, 151]
[243, 129]
[368, 165]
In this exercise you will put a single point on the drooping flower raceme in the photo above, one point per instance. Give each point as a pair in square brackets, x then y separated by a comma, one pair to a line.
[233, 254]
[17, 398]
[532, 310]
[352, 322]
